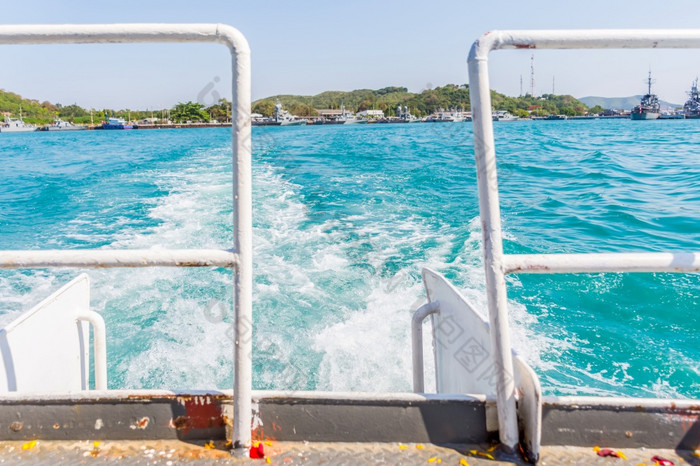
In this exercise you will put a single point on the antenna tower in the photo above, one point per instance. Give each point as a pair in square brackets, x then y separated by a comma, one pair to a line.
[532, 75]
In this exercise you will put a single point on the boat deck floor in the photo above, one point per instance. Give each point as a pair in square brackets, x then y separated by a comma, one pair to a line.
[169, 452]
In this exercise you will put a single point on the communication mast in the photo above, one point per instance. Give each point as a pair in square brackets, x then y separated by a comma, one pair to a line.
[521, 85]
[532, 75]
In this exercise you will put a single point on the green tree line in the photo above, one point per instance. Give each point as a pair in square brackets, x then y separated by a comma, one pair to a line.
[387, 99]
[40, 113]
[422, 103]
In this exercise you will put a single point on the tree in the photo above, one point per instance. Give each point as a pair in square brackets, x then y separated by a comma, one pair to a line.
[189, 111]
[264, 107]
[220, 111]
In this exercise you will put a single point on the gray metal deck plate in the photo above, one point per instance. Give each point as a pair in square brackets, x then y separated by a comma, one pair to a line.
[168, 452]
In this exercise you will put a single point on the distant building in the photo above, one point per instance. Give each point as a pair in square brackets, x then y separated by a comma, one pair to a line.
[329, 113]
[371, 114]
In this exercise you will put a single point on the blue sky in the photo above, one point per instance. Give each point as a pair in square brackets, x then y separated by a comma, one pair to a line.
[305, 47]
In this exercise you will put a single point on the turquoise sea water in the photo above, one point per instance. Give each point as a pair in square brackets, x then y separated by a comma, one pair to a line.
[345, 218]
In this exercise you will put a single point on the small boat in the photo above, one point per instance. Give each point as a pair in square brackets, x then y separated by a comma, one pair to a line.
[503, 115]
[284, 118]
[116, 123]
[445, 116]
[16, 125]
[348, 118]
[404, 116]
[60, 125]
[672, 116]
[691, 108]
[281, 117]
[648, 108]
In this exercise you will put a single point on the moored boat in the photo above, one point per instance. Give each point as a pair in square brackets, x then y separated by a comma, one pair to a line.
[60, 125]
[503, 115]
[284, 118]
[349, 118]
[445, 116]
[648, 108]
[16, 125]
[691, 108]
[116, 123]
[280, 117]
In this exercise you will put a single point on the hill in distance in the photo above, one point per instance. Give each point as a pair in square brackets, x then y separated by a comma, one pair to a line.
[622, 103]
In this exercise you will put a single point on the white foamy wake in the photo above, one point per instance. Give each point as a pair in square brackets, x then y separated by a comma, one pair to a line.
[338, 317]
[370, 350]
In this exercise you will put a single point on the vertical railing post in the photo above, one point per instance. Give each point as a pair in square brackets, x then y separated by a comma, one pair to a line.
[243, 246]
[490, 215]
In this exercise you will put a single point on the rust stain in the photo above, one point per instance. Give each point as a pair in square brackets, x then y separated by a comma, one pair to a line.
[525, 46]
[202, 412]
[16, 426]
[56, 426]
[140, 423]
[182, 399]
[180, 422]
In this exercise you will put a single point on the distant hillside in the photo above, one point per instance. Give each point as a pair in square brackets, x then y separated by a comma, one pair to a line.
[420, 104]
[386, 99]
[32, 110]
[622, 103]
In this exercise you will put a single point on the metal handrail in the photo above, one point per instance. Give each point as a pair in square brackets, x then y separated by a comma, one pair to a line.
[496, 263]
[419, 316]
[117, 258]
[100, 343]
[240, 258]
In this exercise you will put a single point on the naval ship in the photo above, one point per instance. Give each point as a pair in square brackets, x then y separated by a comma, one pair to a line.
[487, 406]
[691, 108]
[648, 108]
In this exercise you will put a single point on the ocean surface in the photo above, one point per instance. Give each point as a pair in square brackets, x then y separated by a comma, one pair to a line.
[345, 217]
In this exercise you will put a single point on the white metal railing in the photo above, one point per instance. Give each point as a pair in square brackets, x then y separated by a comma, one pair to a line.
[240, 257]
[496, 263]
[419, 316]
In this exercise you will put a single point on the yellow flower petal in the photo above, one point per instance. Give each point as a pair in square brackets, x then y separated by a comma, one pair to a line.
[268, 443]
[463, 462]
[209, 445]
[29, 445]
[402, 447]
[621, 455]
[267, 460]
[596, 448]
[419, 446]
[431, 460]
